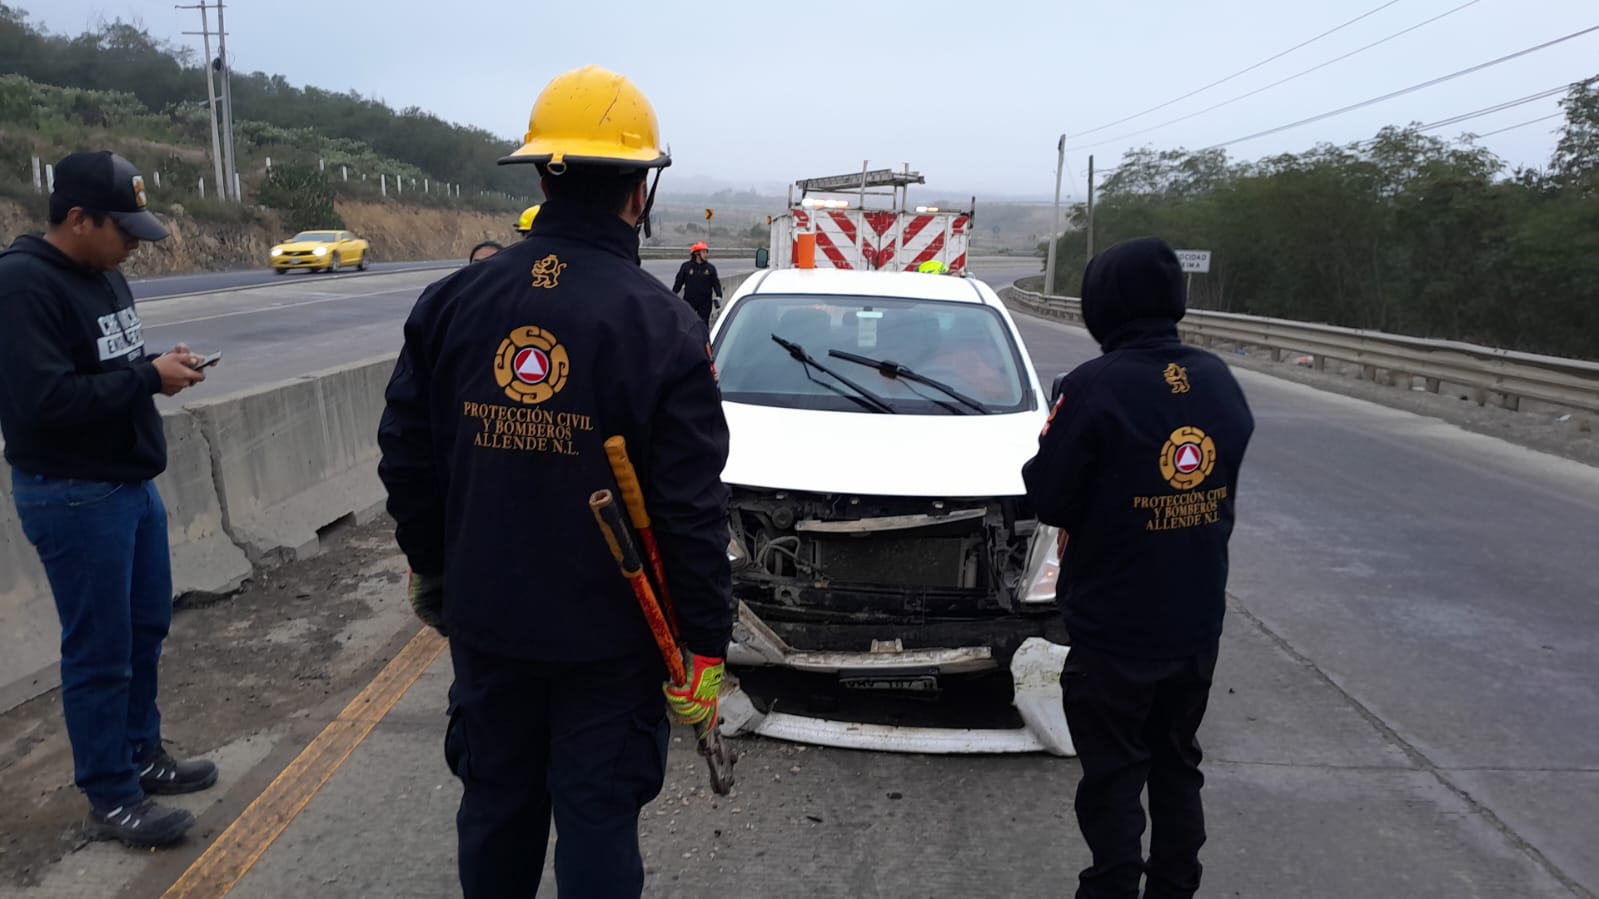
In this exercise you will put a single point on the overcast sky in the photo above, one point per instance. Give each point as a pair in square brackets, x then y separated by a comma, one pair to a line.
[972, 94]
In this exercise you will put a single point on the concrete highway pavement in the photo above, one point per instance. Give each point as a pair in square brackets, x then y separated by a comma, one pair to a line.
[1405, 706]
[1440, 586]
[148, 289]
[300, 324]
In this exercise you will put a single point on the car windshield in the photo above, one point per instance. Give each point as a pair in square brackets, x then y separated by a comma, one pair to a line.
[314, 237]
[963, 345]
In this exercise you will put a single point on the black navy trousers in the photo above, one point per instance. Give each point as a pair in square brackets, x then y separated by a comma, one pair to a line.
[1134, 723]
[583, 742]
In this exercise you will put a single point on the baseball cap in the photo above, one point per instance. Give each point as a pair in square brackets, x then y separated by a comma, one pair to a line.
[105, 182]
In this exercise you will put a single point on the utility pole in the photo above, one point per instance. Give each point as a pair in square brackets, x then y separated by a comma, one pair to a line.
[227, 103]
[1090, 209]
[1054, 228]
[210, 87]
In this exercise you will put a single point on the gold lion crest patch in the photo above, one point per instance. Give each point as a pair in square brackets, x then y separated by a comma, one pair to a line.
[547, 272]
[1177, 377]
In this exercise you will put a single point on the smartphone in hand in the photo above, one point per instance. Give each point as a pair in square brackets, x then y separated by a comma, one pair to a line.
[208, 361]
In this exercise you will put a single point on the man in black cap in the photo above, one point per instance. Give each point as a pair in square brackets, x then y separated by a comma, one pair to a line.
[85, 443]
[1139, 466]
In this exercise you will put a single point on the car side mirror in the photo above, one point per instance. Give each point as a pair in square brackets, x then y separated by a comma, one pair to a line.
[762, 257]
[1056, 387]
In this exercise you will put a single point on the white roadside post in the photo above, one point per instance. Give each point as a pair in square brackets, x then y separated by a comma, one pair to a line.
[38, 176]
[1054, 226]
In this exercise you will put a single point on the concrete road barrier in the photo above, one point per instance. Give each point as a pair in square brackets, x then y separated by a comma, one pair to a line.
[204, 561]
[295, 457]
[30, 634]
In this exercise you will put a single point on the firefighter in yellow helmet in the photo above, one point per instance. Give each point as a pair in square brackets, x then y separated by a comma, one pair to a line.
[513, 374]
[524, 224]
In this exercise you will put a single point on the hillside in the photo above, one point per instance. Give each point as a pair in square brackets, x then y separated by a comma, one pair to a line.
[397, 231]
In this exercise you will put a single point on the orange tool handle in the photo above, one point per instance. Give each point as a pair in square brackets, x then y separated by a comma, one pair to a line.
[627, 479]
[633, 498]
[617, 537]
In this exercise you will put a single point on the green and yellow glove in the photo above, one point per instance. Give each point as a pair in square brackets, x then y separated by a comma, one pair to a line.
[695, 702]
[427, 600]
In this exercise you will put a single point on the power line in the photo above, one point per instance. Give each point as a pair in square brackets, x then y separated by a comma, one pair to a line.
[1521, 125]
[1240, 71]
[1403, 91]
[1315, 68]
[1490, 110]
[1475, 114]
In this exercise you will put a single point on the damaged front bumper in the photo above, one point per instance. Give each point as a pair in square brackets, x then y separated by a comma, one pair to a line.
[1035, 671]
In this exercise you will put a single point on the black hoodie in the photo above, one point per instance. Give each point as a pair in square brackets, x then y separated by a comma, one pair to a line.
[1139, 465]
[77, 390]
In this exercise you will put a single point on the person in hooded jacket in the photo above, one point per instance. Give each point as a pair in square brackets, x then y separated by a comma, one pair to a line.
[85, 444]
[698, 282]
[1138, 467]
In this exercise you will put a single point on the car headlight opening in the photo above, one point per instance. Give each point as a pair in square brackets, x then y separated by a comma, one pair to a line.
[1043, 567]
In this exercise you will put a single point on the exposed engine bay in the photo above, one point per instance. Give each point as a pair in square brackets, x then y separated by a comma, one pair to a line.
[936, 567]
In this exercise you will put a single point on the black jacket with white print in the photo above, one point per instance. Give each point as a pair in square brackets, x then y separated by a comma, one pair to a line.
[77, 389]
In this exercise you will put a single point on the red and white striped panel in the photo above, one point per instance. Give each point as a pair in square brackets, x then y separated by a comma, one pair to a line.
[927, 237]
[836, 237]
[889, 240]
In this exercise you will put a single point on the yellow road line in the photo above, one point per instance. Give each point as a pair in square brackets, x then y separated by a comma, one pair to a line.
[220, 868]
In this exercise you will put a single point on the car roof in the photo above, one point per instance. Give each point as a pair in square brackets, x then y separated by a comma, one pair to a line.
[910, 285]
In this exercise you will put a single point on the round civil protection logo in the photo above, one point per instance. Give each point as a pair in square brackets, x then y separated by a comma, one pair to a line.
[1188, 457]
[531, 366]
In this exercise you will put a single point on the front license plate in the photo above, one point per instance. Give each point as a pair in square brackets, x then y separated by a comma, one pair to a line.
[922, 683]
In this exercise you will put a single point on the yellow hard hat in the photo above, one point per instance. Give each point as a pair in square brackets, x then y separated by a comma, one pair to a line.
[932, 267]
[525, 223]
[592, 116]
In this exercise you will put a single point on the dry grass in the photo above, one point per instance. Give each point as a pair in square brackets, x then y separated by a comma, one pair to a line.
[401, 232]
[396, 231]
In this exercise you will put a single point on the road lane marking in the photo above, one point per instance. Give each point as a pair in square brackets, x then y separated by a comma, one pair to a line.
[227, 860]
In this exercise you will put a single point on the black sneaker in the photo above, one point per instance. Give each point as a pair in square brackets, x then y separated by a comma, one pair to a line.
[142, 823]
[164, 775]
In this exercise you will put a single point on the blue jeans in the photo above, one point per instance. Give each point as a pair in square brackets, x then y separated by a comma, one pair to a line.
[104, 549]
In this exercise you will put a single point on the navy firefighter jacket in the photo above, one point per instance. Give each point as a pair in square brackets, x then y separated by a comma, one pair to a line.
[1139, 465]
[514, 372]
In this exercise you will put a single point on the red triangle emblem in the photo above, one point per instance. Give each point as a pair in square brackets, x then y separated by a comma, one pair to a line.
[1188, 458]
[532, 366]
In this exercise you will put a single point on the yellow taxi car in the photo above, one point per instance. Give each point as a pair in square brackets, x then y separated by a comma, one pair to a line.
[321, 251]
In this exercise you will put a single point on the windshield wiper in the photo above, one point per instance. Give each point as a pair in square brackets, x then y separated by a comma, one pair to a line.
[863, 396]
[891, 369]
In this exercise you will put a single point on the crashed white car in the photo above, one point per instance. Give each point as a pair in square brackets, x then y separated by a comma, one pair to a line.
[894, 591]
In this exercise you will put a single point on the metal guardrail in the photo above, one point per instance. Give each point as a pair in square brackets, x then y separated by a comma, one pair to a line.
[1510, 376]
